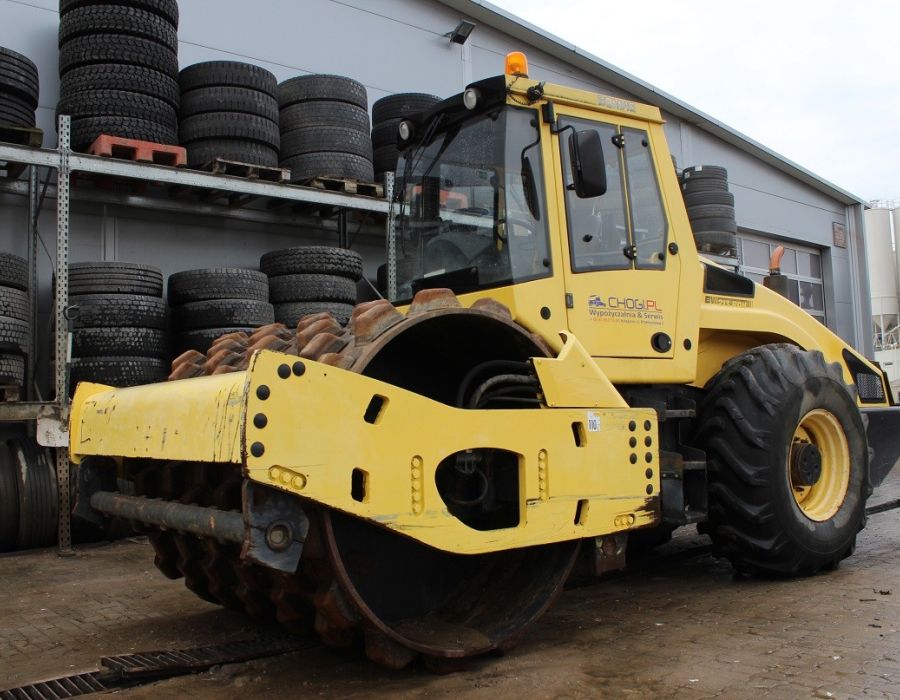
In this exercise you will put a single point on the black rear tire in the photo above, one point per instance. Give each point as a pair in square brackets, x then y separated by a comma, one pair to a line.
[114, 278]
[217, 283]
[227, 73]
[117, 48]
[9, 501]
[13, 271]
[748, 424]
[312, 259]
[334, 88]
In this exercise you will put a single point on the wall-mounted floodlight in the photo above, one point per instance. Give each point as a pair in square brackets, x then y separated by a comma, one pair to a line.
[461, 34]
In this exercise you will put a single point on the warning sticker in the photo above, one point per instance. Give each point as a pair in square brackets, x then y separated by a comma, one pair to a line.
[593, 421]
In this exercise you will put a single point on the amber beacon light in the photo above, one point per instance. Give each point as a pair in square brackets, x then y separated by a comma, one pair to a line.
[517, 64]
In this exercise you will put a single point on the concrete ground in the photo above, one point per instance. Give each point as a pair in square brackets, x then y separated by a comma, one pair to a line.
[677, 624]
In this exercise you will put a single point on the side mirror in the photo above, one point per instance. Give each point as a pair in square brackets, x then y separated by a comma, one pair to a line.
[588, 166]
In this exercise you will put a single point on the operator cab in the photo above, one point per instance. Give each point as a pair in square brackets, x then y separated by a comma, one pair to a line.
[554, 195]
[472, 215]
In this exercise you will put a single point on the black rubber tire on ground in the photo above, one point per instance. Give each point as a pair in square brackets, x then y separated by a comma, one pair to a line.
[323, 113]
[718, 242]
[167, 9]
[312, 260]
[699, 172]
[19, 76]
[13, 271]
[334, 88]
[14, 112]
[202, 338]
[118, 103]
[114, 278]
[222, 313]
[118, 371]
[385, 133]
[15, 336]
[229, 99]
[695, 199]
[233, 73]
[9, 501]
[122, 341]
[199, 153]
[104, 49]
[384, 159]
[338, 165]
[710, 211]
[12, 370]
[115, 19]
[312, 287]
[315, 139]
[38, 501]
[114, 76]
[711, 224]
[401, 105]
[15, 303]
[217, 283]
[114, 310]
[86, 131]
[747, 426]
[229, 125]
[291, 312]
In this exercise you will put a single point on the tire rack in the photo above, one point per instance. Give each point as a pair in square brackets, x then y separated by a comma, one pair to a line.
[51, 417]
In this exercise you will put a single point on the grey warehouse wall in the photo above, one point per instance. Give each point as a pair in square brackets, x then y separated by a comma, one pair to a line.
[398, 46]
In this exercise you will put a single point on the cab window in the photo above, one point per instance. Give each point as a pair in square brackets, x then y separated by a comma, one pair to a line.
[598, 233]
[648, 219]
[627, 226]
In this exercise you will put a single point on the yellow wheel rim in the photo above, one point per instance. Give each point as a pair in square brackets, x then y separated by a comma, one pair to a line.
[823, 499]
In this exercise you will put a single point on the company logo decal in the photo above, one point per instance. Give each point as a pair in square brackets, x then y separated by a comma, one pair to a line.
[625, 309]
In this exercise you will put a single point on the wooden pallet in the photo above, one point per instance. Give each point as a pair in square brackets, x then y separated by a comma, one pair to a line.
[346, 185]
[143, 151]
[251, 171]
[21, 136]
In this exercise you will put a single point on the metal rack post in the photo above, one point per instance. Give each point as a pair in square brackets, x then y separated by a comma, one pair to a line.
[61, 303]
[390, 234]
[33, 204]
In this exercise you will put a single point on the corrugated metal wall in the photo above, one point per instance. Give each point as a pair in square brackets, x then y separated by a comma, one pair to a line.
[391, 46]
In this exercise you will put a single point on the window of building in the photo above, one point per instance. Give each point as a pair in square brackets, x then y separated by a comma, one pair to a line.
[802, 266]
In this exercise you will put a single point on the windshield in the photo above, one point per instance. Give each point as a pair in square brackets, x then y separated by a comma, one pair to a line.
[472, 213]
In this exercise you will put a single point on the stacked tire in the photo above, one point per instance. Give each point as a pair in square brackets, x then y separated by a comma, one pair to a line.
[207, 304]
[119, 336]
[118, 68]
[28, 496]
[311, 280]
[229, 110]
[325, 128]
[387, 113]
[710, 208]
[15, 320]
[18, 89]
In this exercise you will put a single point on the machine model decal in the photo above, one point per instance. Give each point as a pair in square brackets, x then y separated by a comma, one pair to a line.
[728, 301]
[625, 310]
[616, 103]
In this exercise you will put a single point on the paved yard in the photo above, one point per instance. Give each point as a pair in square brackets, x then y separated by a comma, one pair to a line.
[675, 625]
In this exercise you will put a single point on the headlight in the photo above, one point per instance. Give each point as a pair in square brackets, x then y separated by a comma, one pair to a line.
[470, 98]
[405, 129]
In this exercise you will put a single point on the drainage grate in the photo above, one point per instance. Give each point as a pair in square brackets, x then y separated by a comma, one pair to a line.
[66, 687]
[143, 667]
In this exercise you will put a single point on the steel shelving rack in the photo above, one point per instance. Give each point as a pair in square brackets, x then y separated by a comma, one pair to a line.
[50, 416]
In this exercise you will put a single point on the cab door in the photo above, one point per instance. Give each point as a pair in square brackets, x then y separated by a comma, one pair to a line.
[621, 281]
